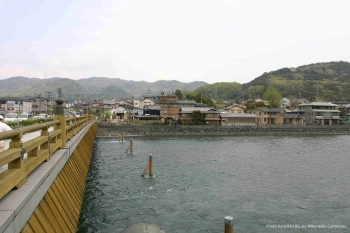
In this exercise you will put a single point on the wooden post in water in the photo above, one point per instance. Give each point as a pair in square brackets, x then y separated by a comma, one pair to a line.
[129, 147]
[121, 139]
[228, 224]
[145, 171]
[149, 167]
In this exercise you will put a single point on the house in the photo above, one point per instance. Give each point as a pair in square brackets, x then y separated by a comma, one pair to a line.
[150, 112]
[148, 102]
[118, 113]
[236, 109]
[200, 105]
[15, 104]
[96, 105]
[150, 97]
[268, 116]
[285, 103]
[321, 113]
[238, 119]
[211, 116]
[39, 105]
[278, 116]
[137, 104]
[172, 108]
[108, 104]
[293, 118]
[126, 103]
[167, 96]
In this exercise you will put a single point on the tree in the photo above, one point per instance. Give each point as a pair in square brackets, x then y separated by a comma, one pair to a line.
[249, 105]
[197, 117]
[255, 91]
[179, 95]
[260, 104]
[200, 98]
[107, 115]
[273, 96]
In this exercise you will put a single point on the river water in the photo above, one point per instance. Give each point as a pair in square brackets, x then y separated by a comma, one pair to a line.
[299, 184]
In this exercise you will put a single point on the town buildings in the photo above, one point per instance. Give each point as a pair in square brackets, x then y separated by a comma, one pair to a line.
[15, 105]
[39, 105]
[321, 113]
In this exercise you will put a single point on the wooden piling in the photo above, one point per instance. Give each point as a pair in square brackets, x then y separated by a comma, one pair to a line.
[121, 139]
[150, 165]
[145, 171]
[129, 147]
[228, 224]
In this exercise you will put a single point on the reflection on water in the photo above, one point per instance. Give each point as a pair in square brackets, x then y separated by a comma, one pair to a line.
[261, 181]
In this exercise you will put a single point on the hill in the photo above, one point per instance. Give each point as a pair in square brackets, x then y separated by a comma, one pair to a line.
[90, 88]
[322, 81]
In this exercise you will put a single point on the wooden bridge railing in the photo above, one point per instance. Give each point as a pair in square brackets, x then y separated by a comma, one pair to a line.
[21, 158]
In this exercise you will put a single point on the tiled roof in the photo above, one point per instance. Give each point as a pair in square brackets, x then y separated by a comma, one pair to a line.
[318, 104]
[186, 102]
[12, 98]
[152, 107]
[270, 109]
[294, 116]
[191, 109]
[235, 115]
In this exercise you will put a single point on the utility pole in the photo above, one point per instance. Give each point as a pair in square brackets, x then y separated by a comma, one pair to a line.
[82, 101]
[49, 97]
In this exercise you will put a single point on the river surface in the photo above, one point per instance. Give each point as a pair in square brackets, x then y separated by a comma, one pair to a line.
[298, 184]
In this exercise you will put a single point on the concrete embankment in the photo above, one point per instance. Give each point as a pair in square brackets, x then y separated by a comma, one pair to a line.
[115, 130]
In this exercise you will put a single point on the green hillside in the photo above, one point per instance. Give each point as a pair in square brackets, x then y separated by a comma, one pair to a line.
[90, 88]
[322, 81]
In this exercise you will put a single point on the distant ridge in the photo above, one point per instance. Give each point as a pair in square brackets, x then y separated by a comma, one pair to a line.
[330, 79]
[92, 88]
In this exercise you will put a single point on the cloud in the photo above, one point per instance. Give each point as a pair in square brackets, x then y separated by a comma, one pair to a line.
[212, 41]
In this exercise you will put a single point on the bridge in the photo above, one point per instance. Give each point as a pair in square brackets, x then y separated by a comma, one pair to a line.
[43, 175]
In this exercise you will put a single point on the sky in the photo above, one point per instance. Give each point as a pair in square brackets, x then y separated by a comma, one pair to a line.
[185, 40]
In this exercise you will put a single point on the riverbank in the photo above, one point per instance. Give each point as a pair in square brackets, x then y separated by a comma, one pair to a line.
[115, 130]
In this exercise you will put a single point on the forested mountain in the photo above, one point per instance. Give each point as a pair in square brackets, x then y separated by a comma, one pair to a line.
[322, 81]
[90, 88]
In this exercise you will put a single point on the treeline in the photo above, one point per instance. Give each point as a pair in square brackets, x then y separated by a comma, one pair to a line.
[321, 81]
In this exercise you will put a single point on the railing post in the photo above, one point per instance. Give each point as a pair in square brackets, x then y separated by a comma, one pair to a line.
[59, 115]
[46, 145]
[18, 163]
[16, 143]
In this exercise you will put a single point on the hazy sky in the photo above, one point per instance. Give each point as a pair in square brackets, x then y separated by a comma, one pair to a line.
[184, 40]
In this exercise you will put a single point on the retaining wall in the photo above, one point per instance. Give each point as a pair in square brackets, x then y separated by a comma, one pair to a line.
[115, 130]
